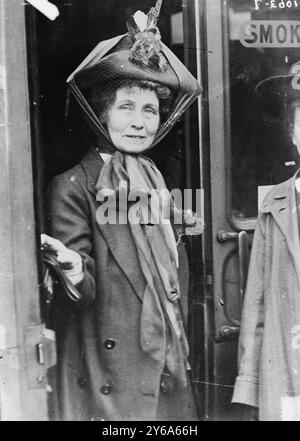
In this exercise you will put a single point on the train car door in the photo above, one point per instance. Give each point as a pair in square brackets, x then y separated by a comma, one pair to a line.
[23, 337]
[226, 145]
[60, 136]
[249, 152]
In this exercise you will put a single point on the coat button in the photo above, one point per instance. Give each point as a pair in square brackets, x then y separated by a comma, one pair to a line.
[173, 294]
[163, 387]
[82, 382]
[109, 344]
[106, 389]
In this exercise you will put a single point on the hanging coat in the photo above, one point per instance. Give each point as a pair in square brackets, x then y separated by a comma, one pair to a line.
[269, 344]
[102, 372]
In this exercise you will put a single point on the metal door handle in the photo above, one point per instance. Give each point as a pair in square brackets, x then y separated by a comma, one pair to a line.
[243, 261]
[243, 247]
[223, 236]
[243, 251]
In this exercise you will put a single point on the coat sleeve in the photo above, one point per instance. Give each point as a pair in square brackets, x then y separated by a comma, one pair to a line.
[252, 323]
[70, 223]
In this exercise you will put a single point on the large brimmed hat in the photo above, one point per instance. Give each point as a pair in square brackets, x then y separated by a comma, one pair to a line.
[277, 92]
[117, 64]
[138, 55]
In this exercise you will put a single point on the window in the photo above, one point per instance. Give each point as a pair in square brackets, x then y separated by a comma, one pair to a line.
[261, 150]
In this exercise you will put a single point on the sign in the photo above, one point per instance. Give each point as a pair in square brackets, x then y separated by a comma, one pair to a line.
[270, 33]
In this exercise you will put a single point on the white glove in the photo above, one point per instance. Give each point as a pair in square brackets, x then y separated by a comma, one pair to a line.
[70, 261]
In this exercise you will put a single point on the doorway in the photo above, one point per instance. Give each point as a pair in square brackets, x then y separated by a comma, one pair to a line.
[60, 135]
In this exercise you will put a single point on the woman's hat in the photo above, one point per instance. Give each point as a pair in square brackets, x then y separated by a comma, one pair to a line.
[278, 91]
[119, 62]
[138, 55]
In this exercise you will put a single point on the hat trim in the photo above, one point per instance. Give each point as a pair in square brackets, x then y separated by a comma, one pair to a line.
[274, 77]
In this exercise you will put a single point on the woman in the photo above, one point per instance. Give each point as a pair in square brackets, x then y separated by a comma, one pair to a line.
[269, 351]
[122, 349]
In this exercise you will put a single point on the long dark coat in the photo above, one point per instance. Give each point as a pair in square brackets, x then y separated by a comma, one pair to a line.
[269, 345]
[102, 372]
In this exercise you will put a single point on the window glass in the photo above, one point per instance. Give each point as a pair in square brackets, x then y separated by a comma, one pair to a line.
[262, 152]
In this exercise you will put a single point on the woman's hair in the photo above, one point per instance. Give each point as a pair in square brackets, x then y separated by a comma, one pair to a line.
[104, 95]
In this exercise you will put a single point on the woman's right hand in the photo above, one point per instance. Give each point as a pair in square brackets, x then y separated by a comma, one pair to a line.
[68, 259]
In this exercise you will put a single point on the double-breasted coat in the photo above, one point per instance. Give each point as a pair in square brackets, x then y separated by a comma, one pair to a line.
[102, 372]
[269, 345]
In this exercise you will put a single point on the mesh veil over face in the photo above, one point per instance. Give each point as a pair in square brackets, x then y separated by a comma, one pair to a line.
[109, 61]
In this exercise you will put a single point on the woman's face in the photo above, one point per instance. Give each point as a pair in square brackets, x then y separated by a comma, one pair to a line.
[133, 119]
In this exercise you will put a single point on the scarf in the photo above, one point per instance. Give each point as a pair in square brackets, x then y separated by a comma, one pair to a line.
[162, 334]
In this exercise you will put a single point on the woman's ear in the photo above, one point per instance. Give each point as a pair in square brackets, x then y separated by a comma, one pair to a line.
[102, 118]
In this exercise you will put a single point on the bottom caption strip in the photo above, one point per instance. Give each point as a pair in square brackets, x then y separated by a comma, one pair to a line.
[150, 430]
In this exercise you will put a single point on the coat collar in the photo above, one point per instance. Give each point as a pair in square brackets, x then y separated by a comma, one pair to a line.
[92, 164]
[281, 203]
[117, 237]
[279, 193]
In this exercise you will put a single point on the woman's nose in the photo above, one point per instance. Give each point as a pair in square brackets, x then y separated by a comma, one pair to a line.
[137, 120]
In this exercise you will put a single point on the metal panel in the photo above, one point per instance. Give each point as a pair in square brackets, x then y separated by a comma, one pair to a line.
[225, 266]
[201, 322]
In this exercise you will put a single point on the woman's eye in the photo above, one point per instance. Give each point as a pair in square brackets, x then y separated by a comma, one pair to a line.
[151, 110]
[126, 107]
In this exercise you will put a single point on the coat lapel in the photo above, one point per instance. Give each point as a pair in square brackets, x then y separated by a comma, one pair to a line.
[121, 245]
[92, 164]
[284, 210]
[118, 237]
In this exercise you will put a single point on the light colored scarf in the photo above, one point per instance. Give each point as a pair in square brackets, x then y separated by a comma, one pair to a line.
[162, 334]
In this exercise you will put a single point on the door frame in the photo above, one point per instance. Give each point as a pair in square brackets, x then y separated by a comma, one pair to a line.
[201, 293]
[23, 379]
[223, 347]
